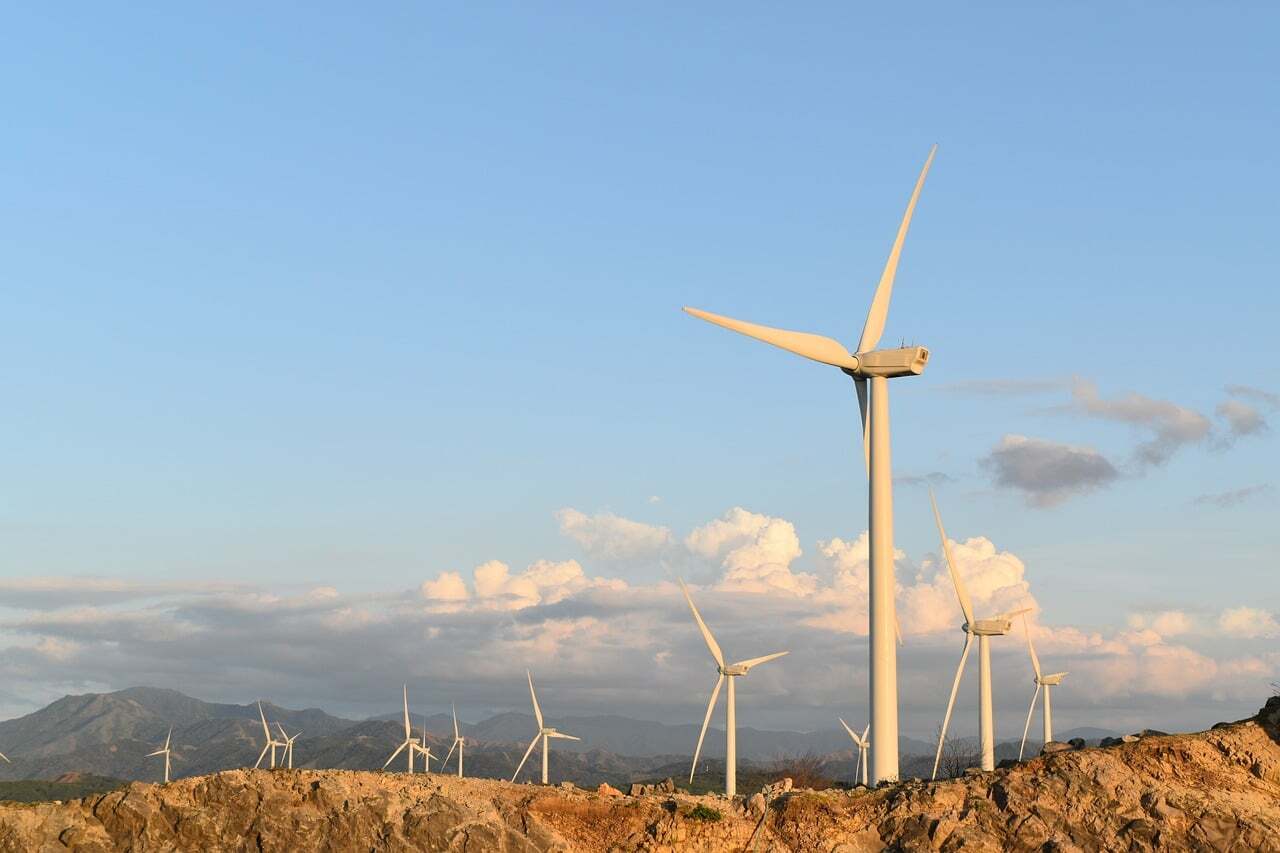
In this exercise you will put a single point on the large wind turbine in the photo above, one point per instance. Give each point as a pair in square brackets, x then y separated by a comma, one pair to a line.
[422, 748]
[863, 744]
[984, 630]
[730, 672]
[164, 750]
[288, 745]
[545, 733]
[1045, 681]
[871, 370]
[271, 744]
[409, 740]
[457, 744]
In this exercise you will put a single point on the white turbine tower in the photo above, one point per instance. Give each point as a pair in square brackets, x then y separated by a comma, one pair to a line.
[545, 733]
[271, 744]
[458, 740]
[863, 745]
[288, 745]
[730, 672]
[984, 630]
[1045, 681]
[164, 750]
[409, 740]
[871, 370]
[422, 749]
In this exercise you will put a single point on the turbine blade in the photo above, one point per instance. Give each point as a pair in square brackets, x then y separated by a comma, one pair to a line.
[519, 766]
[965, 606]
[167, 737]
[283, 733]
[847, 729]
[1035, 661]
[857, 771]
[711, 706]
[399, 749]
[6, 758]
[860, 385]
[537, 712]
[816, 347]
[261, 755]
[563, 736]
[407, 732]
[1027, 727]
[702, 626]
[157, 752]
[263, 717]
[455, 721]
[866, 732]
[955, 685]
[450, 754]
[879, 312]
[747, 664]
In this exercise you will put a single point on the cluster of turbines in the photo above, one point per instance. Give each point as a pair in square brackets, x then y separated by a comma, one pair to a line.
[870, 369]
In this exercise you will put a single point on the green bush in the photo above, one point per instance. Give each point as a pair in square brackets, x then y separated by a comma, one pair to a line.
[701, 812]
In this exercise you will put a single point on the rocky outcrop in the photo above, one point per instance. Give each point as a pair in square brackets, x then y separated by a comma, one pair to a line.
[1217, 790]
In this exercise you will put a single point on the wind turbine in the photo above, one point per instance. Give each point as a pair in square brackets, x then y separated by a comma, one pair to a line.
[1045, 681]
[544, 734]
[271, 744]
[162, 751]
[409, 740]
[457, 744]
[871, 370]
[863, 745]
[984, 630]
[422, 749]
[288, 744]
[730, 672]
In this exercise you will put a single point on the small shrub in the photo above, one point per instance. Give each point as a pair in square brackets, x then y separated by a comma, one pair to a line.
[701, 812]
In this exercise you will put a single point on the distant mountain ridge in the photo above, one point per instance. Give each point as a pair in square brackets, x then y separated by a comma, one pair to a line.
[110, 734]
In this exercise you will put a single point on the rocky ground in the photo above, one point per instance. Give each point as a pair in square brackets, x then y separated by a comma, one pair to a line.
[1216, 790]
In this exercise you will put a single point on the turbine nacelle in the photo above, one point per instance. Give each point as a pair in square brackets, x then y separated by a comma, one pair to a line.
[996, 627]
[733, 669]
[890, 363]
[1052, 680]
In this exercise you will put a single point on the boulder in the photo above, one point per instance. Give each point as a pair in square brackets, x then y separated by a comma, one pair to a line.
[607, 790]
[756, 805]
[1077, 743]
[1055, 746]
[666, 786]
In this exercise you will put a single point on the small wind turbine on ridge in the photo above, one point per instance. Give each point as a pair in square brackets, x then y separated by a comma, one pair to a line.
[1045, 681]
[272, 744]
[164, 750]
[457, 744]
[545, 733]
[729, 672]
[423, 749]
[288, 745]
[984, 630]
[409, 740]
[863, 745]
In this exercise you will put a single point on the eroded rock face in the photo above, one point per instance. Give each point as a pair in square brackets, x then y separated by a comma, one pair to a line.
[1216, 790]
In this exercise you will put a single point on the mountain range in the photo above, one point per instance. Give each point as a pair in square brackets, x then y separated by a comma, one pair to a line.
[110, 734]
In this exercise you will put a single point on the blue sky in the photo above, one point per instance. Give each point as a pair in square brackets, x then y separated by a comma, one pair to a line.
[316, 295]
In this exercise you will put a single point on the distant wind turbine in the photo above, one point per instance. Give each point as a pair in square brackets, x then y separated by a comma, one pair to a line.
[423, 749]
[871, 369]
[545, 733]
[730, 672]
[271, 744]
[162, 751]
[457, 744]
[1045, 681]
[983, 629]
[288, 745]
[409, 740]
[863, 745]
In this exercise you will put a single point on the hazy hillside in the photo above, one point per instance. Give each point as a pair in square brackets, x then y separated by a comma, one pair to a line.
[110, 735]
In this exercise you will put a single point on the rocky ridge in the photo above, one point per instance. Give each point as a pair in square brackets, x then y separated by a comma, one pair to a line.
[1217, 790]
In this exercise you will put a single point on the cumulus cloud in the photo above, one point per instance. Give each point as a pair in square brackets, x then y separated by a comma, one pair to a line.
[1046, 472]
[755, 551]
[1169, 425]
[611, 537]
[1268, 398]
[494, 587]
[1233, 497]
[1248, 622]
[1166, 623]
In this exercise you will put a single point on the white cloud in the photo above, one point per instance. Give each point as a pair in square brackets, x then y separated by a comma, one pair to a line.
[755, 551]
[612, 537]
[1171, 426]
[1166, 623]
[1046, 472]
[1248, 622]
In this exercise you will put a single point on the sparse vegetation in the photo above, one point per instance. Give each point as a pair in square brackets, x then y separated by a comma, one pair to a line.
[958, 755]
[704, 812]
[40, 790]
[805, 771]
